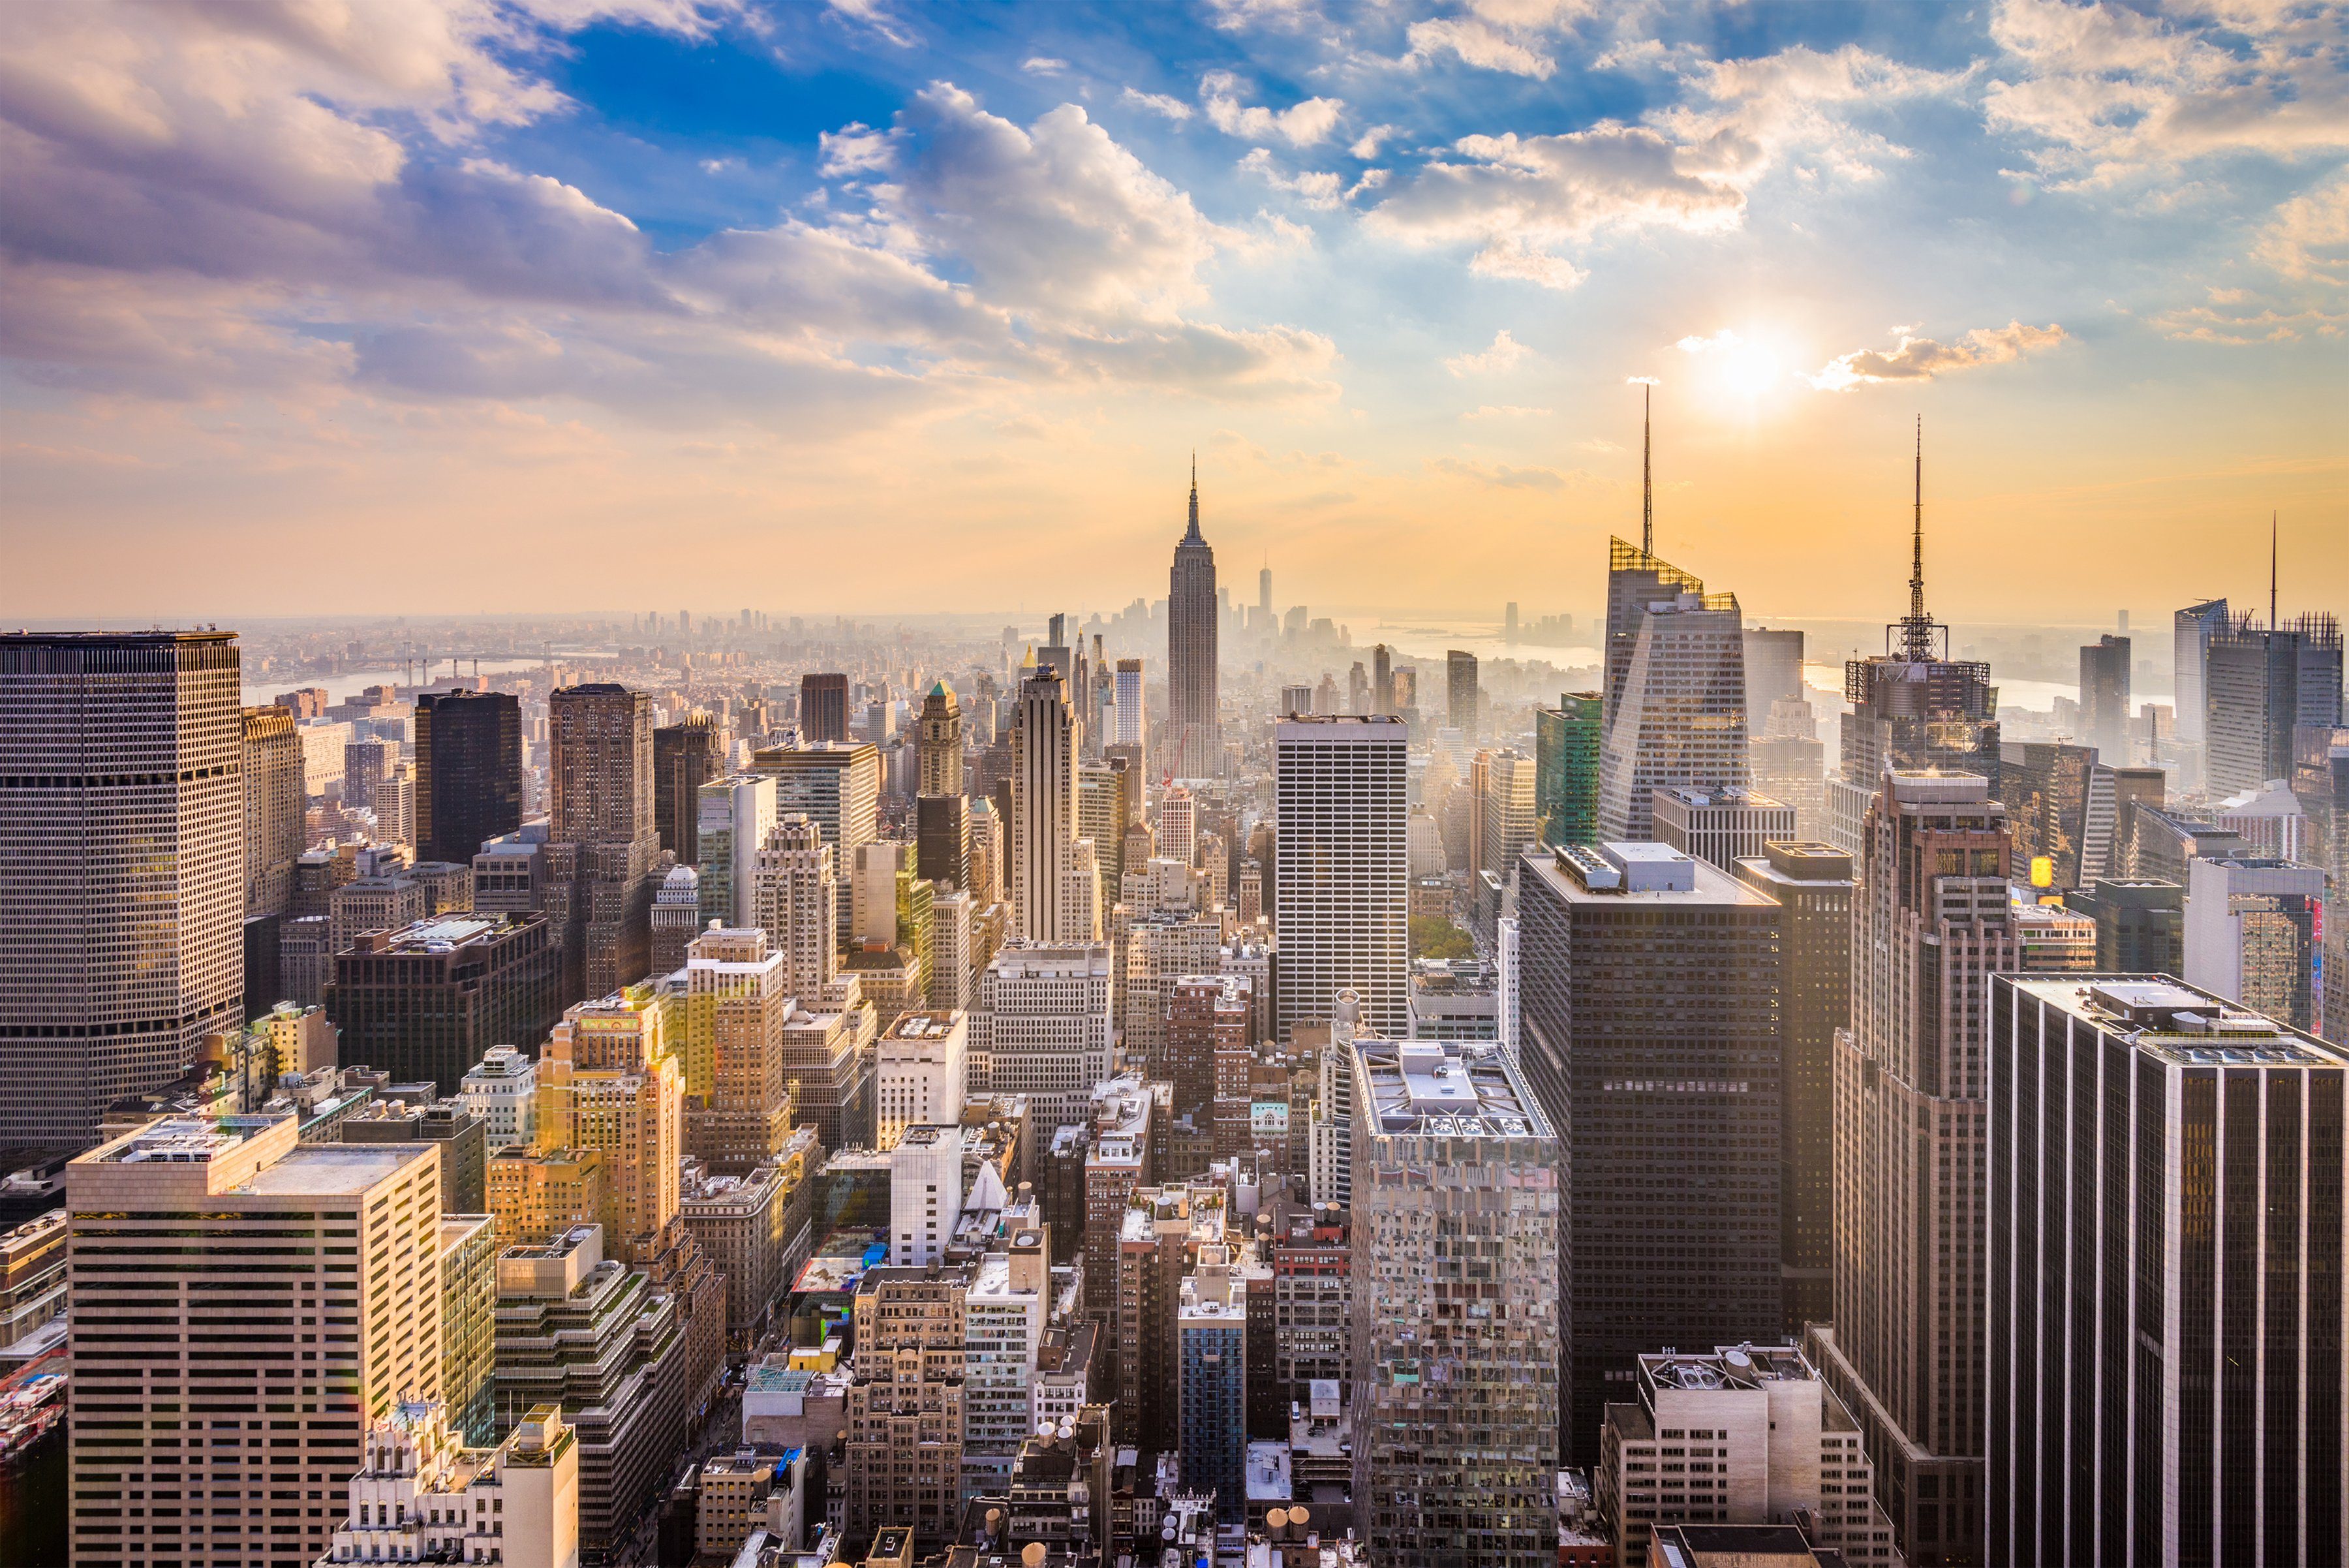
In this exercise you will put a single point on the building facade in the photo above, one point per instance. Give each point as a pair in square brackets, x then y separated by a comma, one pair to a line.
[1341, 884]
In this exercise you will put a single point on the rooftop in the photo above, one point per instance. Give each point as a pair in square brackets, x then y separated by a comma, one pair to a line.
[2180, 1025]
[1447, 1088]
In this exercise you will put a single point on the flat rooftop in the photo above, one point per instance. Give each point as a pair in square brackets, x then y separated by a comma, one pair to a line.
[1703, 885]
[2180, 1025]
[1448, 1088]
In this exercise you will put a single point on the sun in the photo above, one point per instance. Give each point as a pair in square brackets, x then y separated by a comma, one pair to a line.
[1743, 370]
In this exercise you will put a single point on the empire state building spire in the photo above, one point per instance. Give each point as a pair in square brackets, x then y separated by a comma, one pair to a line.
[1193, 533]
[1191, 652]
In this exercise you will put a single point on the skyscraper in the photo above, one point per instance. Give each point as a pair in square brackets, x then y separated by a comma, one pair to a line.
[737, 1000]
[610, 1081]
[1651, 990]
[794, 881]
[940, 735]
[2192, 630]
[1930, 926]
[1126, 700]
[1812, 883]
[121, 869]
[1191, 724]
[685, 757]
[2163, 1285]
[734, 814]
[2104, 698]
[2254, 934]
[2047, 800]
[275, 805]
[1043, 804]
[2265, 680]
[602, 832]
[427, 1001]
[1463, 700]
[1676, 713]
[468, 772]
[1774, 671]
[191, 1336]
[837, 787]
[1458, 1187]
[1566, 769]
[1912, 706]
[824, 707]
[1341, 886]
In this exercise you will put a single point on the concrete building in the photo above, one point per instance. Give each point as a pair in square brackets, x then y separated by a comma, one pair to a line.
[1747, 1435]
[602, 836]
[675, 919]
[275, 801]
[685, 755]
[794, 894]
[1043, 826]
[426, 1494]
[1341, 885]
[1812, 883]
[754, 1228]
[1193, 713]
[733, 816]
[1005, 1309]
[425, 1002]
[1453, 1130]
[468, 772]
[123, 889]
[1211, 1381]
[2140, 926]
[1721, 827]
[1653, 990]
[579, 1332]
[195, 1215]
[465, 1152]
[906, 1405]
[502, 1092]
[1043, 1028]
[737, 1004]
[609, 1081]
[920, 1072]
[2255, 935]
[2165, 1198]
[837, 787]
[827, 1054]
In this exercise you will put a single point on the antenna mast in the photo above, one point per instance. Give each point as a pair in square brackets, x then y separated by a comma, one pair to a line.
[2273, 624]
[1647, 471]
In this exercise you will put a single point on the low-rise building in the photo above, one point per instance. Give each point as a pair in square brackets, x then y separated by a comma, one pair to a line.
[425, 1496]
[754, 1228]
[501, 1090]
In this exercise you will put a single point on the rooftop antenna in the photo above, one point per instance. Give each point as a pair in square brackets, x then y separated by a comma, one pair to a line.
[1647, 471]
[1917, 629]
[2272, 623]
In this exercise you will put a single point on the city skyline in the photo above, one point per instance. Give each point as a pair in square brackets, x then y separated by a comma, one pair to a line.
[555, 276]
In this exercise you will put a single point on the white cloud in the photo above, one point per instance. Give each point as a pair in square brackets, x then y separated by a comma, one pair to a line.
[1300, 125]
[855, 149]
[1504, 354]
[1509, 35]
[1367, 145]
[869, 14]
[1317, 188]
[2106, 93]
[1922, 358]
[1043, 66]
[1173, 109]
[2307, 240]
[1726, 339]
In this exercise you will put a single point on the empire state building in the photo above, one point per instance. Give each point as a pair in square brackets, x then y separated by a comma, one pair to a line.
[1192, 735]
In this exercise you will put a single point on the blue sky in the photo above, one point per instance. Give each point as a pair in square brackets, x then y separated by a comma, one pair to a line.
[817, 289]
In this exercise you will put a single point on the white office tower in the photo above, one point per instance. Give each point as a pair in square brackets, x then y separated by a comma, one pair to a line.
[1041, 1028]
[1178, 826]
[1679, 719]
[792, 896]
[1747, 1435]
[1509, 940]
[952, 982]
[924, 1193]
[1043, 803]
[2254, 935]
[2162, 1303]
[425, 1497]
[1456, 1195]
[922, 1066]
[1080, 894]
[122, 869]
[1341, 886]
[501, 1091]
[733, 816]
[1004, 1312]
[1132, 724]
[232, 1252]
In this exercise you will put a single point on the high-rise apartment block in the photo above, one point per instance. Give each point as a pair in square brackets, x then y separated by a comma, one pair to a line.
[122, 869]
[1458, 1193]
[1676, 705]
[1194, 718]
[231, 1251]
[1566, 769]
[1747, 1435]
[2162, 1290]
[602, 835]
[1652, 993]
[1813, 886]
[1342, 886]
[468, 772]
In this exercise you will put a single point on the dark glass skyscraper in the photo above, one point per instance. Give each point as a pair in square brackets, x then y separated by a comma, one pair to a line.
[685, 757]
[2105, 698]
[1566, 769]
[1191, 676]
[468, 772]
[824, 707]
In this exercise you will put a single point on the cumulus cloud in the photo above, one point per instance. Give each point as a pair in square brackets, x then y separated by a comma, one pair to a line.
[855, 149]
[1157, 103]
[1317, 188]
[2307, 239]
[1300, 125]
[1504, 353]
[1367, 145]
[2103, 93]
[1922, 358]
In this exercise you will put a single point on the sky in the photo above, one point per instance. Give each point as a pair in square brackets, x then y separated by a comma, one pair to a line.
[332, 307]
